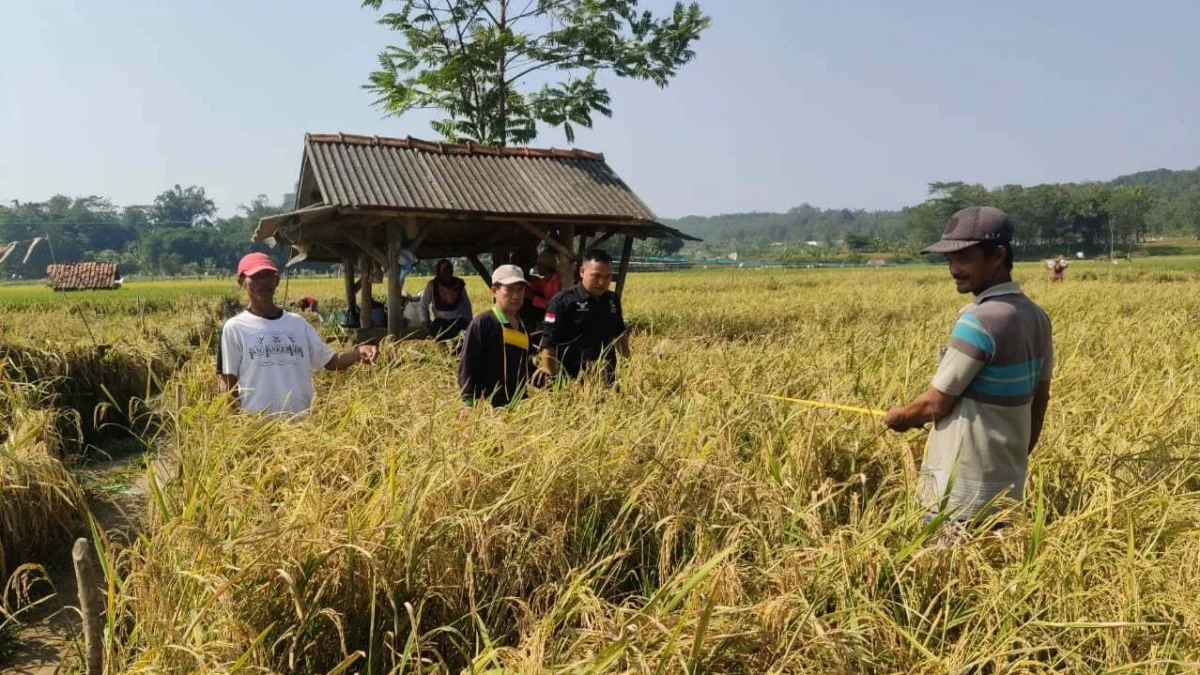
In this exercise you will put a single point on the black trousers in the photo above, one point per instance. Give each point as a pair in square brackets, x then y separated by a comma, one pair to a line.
[448, 329]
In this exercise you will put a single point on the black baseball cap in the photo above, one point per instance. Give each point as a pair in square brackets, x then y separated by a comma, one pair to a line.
[973, 225]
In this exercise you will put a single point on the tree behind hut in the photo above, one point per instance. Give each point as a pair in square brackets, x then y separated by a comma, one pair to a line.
[471, 59]
[179, 207]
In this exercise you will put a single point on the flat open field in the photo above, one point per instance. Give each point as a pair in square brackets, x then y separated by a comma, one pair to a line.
[677, 523]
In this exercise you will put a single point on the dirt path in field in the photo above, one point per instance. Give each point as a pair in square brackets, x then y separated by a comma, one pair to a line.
[117, 491]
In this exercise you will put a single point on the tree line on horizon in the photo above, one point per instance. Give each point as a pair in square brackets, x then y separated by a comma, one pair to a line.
[179, 232]
[1091, 217]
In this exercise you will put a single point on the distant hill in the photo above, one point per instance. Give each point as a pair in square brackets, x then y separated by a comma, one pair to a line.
[1177, 198]
[1162, 179]
[1176, 211]
[800, 224]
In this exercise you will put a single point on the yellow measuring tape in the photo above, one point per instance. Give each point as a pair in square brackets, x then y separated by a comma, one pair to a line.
[822, 404]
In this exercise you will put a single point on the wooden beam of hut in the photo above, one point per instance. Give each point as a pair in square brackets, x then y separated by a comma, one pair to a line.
[366, 303]
[626, 251]
[481, 269]
[331, 249]
[563, 251]
[583, 247]
[566, 263]
[395, 299]
[368, 248]
[601, 239]
[348, 276]
[496, 237]
[422, 232]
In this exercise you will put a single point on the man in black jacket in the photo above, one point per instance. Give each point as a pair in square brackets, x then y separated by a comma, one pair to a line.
[584, 324]
[494, 364]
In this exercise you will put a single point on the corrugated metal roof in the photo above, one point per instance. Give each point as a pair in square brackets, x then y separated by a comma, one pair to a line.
[366, 171]
[82, 276]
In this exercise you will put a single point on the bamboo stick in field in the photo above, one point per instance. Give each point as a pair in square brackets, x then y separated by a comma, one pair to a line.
[90, 604]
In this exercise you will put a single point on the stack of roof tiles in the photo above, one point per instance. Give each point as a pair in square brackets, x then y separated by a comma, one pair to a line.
[82, 276]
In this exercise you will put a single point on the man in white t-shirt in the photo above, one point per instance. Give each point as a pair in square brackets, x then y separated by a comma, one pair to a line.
[267, 354]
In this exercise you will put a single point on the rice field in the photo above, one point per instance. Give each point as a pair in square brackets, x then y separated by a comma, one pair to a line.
[680, 523]
[76, 380]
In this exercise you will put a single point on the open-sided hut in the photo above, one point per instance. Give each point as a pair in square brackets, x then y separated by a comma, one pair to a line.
[364, 199]
[83, 276]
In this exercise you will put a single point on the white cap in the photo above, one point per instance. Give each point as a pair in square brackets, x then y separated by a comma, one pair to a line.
[508, 274]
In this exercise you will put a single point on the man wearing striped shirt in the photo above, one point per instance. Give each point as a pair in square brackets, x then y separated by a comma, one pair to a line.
[988, 399]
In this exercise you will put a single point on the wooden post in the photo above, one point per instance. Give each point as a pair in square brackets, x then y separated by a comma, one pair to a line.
[601, 239]
[348, 274]
[395, 301]
[365, 303]
[90, 604]
[422, 231]
[626, 251]
[583, 247]
[481, 269]
[566, 266]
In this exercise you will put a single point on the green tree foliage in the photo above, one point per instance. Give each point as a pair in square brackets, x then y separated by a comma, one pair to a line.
[71, 228]
[1090, 215]
[1176, 208]
[859, 243]
[179, 234]
[473, 60]
[205, 246]
[178, 207]
[656, 248]
[1126, 209]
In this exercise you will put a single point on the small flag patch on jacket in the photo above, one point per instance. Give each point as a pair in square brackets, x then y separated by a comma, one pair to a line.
[549, 317]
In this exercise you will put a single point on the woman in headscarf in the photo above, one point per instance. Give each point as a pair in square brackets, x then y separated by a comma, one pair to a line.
[446, 296]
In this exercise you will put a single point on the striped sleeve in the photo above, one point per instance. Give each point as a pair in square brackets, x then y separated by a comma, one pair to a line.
[970, 349]
[971, 338]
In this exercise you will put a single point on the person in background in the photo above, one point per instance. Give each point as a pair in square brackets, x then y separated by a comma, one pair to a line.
[495, 361]
[307, 304]
[353, 312]
[989, 397]
[1059, 269]
[267, 355]
[584, 324]
[542, 288]
[446, 296]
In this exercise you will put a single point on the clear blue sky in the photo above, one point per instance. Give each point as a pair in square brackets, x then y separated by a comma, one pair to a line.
[838, 104]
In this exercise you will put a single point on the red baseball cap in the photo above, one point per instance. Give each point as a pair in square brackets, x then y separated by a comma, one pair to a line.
[253, 263]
